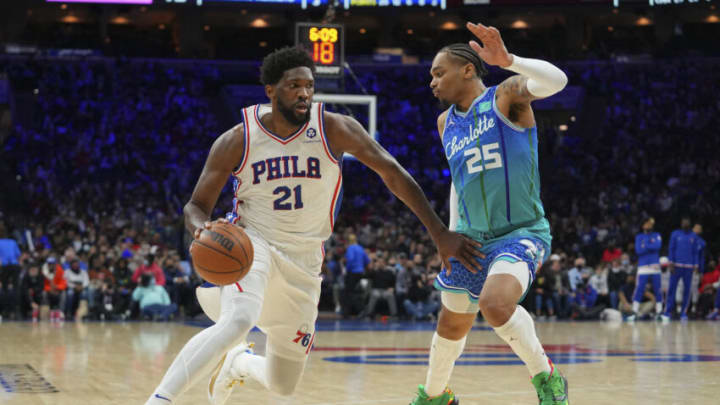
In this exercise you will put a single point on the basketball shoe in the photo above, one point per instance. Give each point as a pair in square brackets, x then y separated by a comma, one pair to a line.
[223, 379]
[552, 387]
[446, 398]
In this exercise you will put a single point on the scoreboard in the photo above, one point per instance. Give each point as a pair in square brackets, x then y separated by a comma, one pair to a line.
[326, 45]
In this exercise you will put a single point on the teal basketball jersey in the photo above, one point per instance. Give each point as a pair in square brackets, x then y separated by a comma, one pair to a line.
[494, 167]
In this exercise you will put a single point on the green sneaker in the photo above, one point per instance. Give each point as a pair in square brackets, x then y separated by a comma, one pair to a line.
[552, 387]
[446, 398]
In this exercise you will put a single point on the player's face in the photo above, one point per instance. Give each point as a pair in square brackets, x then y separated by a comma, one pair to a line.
[294, 93]
[447, 78]
[648, 225]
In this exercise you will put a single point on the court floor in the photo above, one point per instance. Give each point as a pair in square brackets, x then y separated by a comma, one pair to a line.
[368, 363]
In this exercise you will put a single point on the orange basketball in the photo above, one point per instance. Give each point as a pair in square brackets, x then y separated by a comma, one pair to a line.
[223, 254]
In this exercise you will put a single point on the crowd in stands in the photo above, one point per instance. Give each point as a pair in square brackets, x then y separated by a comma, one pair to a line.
[99, 176]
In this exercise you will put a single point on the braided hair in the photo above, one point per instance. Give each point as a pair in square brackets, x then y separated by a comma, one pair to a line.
[466, 54]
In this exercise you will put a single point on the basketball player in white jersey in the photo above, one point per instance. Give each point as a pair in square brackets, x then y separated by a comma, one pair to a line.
[285, 159]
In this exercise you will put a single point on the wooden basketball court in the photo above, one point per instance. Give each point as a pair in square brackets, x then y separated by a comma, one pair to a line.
[367, 363]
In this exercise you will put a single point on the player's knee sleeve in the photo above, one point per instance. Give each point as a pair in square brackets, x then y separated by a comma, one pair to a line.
[459, 303]
[517, 269]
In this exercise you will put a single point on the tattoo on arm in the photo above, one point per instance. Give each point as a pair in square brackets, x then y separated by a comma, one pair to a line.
[515, 87]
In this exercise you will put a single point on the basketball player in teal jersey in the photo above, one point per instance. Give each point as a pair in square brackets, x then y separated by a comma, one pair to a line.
[490, 141]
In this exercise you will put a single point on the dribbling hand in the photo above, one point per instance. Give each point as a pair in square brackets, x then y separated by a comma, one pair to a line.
[208, 225]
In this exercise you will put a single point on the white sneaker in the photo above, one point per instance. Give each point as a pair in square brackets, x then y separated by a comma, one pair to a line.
[665, 319]
[630, 319]
[222, 380]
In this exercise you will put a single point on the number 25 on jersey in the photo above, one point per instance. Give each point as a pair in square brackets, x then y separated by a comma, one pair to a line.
[488, 159]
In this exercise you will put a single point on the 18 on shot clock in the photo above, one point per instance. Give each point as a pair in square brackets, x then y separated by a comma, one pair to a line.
[326, 44]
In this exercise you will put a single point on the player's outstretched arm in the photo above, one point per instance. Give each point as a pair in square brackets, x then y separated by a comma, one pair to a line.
[347, 135]
[537, 78]
[225, 154]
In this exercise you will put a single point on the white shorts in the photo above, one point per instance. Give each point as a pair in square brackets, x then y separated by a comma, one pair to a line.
[287, 286]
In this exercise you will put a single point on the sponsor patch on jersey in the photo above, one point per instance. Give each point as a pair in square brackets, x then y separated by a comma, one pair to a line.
[484, 106]
[311, 133]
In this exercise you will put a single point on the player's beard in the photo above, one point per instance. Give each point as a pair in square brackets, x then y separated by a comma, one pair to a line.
[291, 116]
[443, 104]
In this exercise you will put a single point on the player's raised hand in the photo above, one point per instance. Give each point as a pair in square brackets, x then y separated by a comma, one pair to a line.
[492, 51]
[465, 250]
[208, 225]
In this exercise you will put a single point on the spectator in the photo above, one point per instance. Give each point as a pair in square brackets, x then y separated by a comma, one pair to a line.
[708, 289]
[77, 291]
[177, 283]
[356, 261]
[577, 273]
[599, 282]
[124, 287]
[544, 283]
[9, 274]
[402, 278]
[616, 278]
[150, 266]
[101, 284]
[382, 281]
[418, 303]
[337, 280]
[153, 300]
[611, 252]
[560, 289]
[31, 291]
[55, 289]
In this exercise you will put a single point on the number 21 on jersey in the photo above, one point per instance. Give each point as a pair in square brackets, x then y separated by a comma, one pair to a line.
[488, 159]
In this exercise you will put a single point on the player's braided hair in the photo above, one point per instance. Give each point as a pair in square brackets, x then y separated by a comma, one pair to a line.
[281, 60]
[467, 55]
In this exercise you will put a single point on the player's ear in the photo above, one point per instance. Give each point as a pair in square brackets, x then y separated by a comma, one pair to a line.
[468, 71]
[270, 91]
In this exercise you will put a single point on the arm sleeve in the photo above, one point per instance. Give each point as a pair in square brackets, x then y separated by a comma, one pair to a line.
[544, 78]
[454, 201]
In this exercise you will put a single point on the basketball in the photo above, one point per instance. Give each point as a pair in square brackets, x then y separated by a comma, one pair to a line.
[223, 254]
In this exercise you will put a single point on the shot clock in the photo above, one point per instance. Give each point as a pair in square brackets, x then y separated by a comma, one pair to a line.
[326, 45]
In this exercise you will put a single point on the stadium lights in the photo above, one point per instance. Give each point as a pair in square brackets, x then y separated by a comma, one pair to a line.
[363, 30]
[519, 24]
[643, 21]
[120, 20]
[449, 25]
[70, 19]
[259, 23]
[712, 18]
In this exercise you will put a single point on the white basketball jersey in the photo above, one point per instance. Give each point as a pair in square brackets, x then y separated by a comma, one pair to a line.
[288, 190]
